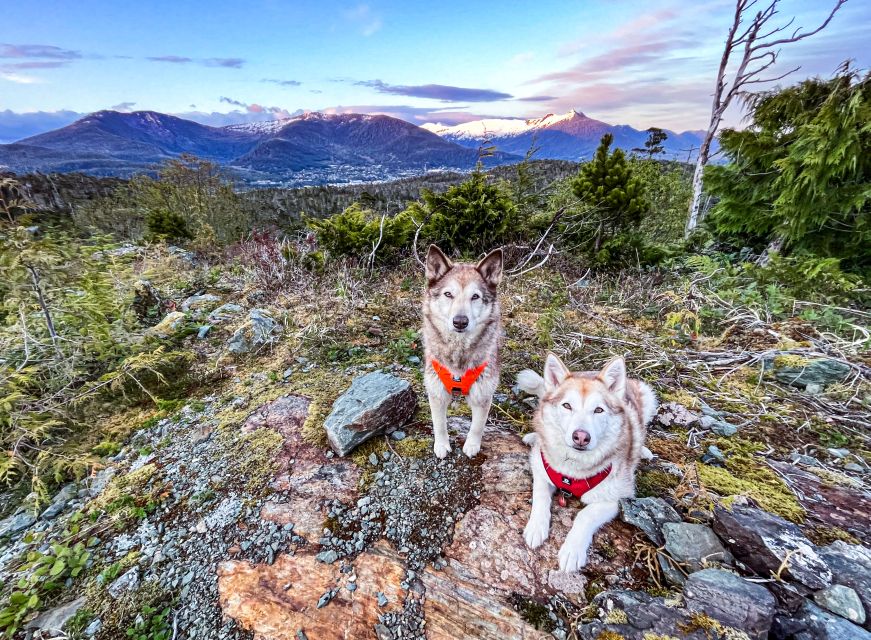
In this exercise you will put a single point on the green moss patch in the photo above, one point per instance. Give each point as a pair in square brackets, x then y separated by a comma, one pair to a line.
[744, 475]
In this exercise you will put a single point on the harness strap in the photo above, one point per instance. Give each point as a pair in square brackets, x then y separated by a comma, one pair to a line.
[573, 487]
[457, 385]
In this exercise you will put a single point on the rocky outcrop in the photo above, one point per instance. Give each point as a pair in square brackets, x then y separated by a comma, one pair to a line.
[16, 523]
[731, 600]
[374, 403]
[649, 515]
[813, 623]
[770, 545]
[298, 593]
[693, 545]
[851, 567]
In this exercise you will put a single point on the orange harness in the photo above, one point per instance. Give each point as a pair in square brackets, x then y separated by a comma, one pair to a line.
[457, 385]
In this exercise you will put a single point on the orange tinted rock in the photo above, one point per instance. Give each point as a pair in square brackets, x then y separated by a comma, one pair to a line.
[275, 601]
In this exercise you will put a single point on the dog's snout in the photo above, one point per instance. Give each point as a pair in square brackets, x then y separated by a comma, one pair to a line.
[580, 438]
[461, 322]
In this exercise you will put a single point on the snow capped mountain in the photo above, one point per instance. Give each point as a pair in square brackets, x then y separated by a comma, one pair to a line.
[266, 127]
[568, 136]
[493, 127]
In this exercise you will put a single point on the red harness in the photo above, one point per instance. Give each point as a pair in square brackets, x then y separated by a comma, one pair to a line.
[457, 385]
[576, 487]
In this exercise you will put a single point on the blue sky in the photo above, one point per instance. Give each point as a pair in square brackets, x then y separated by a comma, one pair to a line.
[623, 61]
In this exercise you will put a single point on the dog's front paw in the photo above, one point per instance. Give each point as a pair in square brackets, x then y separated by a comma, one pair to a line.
[472, 447]
[572, 556]
[536, 532]
[441, 449]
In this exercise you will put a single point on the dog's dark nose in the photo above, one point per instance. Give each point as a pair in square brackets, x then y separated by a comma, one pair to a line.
[581, 438]
[461, 322]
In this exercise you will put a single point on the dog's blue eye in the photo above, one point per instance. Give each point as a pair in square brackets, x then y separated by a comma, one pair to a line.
[448, 294]
[567, 406]
[475, 296]
[598, 410]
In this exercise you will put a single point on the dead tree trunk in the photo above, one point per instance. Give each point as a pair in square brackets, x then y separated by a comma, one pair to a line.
[759, 47]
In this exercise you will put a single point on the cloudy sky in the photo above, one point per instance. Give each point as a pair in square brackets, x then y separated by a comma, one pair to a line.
[641, 63]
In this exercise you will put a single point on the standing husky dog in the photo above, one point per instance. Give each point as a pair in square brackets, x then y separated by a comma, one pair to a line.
[461, 332]
[589, 437]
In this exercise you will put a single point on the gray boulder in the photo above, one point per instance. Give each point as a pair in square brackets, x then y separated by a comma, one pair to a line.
[200, 303]
[720, 427]
[842, 601]
[812, 623]
[225, 312]
[16, 522]
[635, 615]
[763, 541]
[374, 403]
[819, 373]
[259, 330]
[52, 622]
[649, 515]
[851, 567]
[60, 501]
[731, 600]
[693, 545]
[126, 582]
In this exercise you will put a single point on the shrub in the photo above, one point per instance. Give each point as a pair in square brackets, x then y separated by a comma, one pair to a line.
[469, 218]
[166, 225]
[613, 195]
[806, 277]
[799, 175]
[356, 231]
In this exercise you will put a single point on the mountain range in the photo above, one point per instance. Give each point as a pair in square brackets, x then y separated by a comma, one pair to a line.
[313, 148]
[569, 136]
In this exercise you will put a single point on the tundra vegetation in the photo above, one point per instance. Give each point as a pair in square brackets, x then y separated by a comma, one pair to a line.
[102, 313]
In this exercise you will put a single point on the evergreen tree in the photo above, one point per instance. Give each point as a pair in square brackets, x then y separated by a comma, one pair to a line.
[471, 217]
[653, 145]
[800, 176]
[608, 187]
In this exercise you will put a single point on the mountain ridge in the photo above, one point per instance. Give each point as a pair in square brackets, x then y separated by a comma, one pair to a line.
[569, 136]
[312, 148]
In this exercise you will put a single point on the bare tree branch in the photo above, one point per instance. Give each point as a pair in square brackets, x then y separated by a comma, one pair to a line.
[759, 52]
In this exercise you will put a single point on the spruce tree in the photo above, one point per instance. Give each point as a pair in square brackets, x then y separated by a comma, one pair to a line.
[799, 176]
[614, 196]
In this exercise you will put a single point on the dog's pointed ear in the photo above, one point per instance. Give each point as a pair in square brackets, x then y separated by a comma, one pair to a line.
[490, 268]
[437, 264]
[613, 375]
[555, 372]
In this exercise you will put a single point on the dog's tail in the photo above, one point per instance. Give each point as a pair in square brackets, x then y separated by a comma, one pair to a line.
[530, 382]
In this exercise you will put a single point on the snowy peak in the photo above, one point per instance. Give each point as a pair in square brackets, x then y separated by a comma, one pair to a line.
[567, 136]
[499, 127]
[266, 127]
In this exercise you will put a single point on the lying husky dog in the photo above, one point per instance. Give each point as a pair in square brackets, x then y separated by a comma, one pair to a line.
[589, 437]
[461, 334]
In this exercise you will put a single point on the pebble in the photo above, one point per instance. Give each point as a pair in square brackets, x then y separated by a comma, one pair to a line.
[398, 435]
[325, 599]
